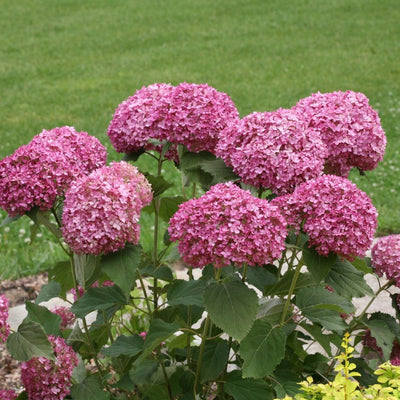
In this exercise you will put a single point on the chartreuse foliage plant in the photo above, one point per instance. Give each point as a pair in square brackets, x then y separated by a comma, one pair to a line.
[270, 233]
[346, 387]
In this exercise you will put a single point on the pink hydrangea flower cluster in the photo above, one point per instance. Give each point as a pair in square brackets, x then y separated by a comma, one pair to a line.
[102, 210]
[337, 216]
[385, 257]
[350, 128]
[227, 224]
[4, 326]
[198, 114]
[37, 173]
[275, 150]
[141, 117]
[46, 379]
[189, 114]
[67, 316]
[8, 394]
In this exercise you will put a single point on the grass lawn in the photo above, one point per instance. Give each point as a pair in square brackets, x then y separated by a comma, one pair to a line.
[72, 62]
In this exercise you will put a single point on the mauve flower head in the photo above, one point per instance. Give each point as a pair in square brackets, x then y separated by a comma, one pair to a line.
[102, 210]
[198, 114]
[228, 225]
[275, 150]
[350, 128]
[140, 118]
[337, 216]
[37, 173]
[8, 394]
[385, 257]
[4, 326]
[46, 379]
[67, 316]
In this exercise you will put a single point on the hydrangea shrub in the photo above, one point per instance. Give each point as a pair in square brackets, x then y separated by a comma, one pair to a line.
[269, 232]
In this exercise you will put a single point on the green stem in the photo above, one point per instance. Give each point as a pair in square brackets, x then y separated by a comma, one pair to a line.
[201, 352]
[166, 380]
[291, 290]
[245, 266]
[85, 326]
[146, 297]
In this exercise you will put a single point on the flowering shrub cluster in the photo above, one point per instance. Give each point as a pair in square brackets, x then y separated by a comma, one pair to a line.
[386, 257]
[275, 150]
[228, 225]
[102, 210]
[350, 128]
[338, 217]
[46, 379]
[39, 172]
[276, 230]
[4, 327]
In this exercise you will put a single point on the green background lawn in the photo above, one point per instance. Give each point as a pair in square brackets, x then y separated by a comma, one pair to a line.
[70, 62]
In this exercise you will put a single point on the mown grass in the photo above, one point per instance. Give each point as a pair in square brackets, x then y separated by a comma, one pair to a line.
[72, 62]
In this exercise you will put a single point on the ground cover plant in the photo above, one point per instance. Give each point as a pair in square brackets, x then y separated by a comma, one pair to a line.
[271, 230]
[69, 64]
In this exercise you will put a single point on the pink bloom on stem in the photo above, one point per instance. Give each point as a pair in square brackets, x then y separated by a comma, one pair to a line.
[8, 394]
[102, 210]
[227, 224]
[385, 257]
[337, 216]
[140, 118]
[67, 317]
[37, 173]
[4, 326]
[198, 114]
[46, 379]
[143, 335]
[350, 128]
[275, 150]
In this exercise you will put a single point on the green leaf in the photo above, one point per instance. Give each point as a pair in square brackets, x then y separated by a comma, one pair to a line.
[319, 266]
[40, 217]
[158, 184]
[283, 285]
[219, 170]
[270, 309]
[262, 349]
[98, 298]
[363, 265]
[8, 220]
[215, 358]
[90, 388]
[48, 291]
[62, 274]
[125, 345]
[121, 266]
[323, 339]
[158, 332]
[347, 281]
[142, 372]
[261, 276]
[247, 389]
[186, 292]
[169, 206]
[190, 164]
[29, 341]
[22, 396]
[85, 268]
[324, 307]
[232, 306]
[383, 335]
[134, 156]
[79, 373]
[48, 320]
